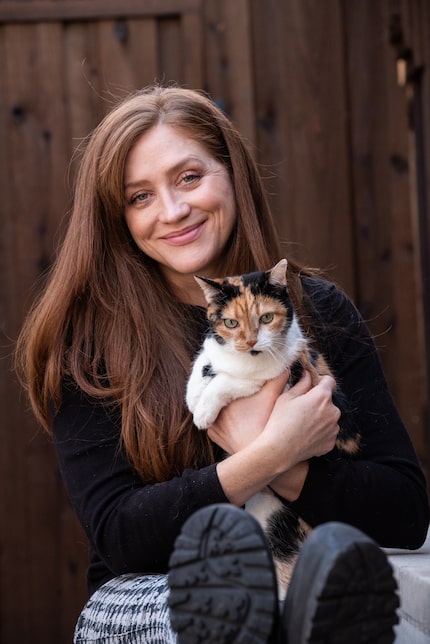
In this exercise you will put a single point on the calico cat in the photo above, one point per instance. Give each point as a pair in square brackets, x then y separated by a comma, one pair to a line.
[254, 336]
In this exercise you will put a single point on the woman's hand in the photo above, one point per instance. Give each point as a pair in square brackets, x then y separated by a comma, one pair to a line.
[273, 434]
[240, 422]
[315, 420]
[306, 416]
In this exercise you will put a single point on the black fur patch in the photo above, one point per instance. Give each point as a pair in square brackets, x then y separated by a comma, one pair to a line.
[285, 534]
[207, 371]
[229, 292]
[348, 436]
[258, 283]
[296, 372]
[313, 354]
[257, 279]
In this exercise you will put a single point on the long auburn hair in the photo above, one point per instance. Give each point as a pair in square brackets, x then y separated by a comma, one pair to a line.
[95, 321]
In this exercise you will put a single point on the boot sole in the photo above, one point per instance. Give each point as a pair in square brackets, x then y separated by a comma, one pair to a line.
[222, 579]
[347, 586]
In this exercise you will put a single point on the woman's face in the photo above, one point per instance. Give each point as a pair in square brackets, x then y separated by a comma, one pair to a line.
[180, 206]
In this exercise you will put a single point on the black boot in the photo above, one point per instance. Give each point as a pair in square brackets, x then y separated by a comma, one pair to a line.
[342, 590]
[223, 585]
[222, 580]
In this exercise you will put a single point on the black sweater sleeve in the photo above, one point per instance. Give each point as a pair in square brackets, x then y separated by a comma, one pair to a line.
[131, 526]
[382, 491]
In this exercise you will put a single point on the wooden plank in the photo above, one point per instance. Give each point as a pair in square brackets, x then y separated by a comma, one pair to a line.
[272, 115]
[240, 65]
[12, 468]
[143, 51]
[135, 53]
[192, 46]
[7, 281]
[302, 121]
[416, 23]
[27, 482]
[228, 61]
[407, 350]
[425, 57]
[70, 561]
[84, 102]
[215, 68]
[369, 160]
[35, 178]
[82, 10]
[170, 52]
[53, 136]
[117, 76]
[370, 163]
[387, 286]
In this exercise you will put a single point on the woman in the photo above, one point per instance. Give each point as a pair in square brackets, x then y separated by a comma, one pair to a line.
[166, 189]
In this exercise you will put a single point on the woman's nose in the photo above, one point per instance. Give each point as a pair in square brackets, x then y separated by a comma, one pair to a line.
[173, 208]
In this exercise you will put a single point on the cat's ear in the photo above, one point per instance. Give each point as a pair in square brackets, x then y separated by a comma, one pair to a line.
[278, 274]
[210, 288]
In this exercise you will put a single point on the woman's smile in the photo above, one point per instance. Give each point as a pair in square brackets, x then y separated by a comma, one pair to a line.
[185, 235]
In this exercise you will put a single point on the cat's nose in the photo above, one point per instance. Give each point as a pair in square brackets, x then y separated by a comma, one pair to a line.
[251, 343]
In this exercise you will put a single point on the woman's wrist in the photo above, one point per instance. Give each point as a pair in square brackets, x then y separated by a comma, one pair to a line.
[258, 465]
[290, 484]
[248, 471]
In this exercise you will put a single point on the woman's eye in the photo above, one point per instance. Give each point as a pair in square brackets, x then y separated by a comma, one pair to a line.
[266, 318]
[191, 177]
[231, 324]
[139, 198]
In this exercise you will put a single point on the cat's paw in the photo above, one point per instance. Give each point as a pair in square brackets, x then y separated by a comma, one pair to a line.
[204, 416]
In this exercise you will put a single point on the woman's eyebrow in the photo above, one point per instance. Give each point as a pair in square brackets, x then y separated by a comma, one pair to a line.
[171, 170]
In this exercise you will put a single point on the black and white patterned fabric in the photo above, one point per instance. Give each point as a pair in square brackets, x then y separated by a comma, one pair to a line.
[129, 609]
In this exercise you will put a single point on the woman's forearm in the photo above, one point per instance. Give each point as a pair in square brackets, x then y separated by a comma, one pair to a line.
[249, 470]
[290, 484]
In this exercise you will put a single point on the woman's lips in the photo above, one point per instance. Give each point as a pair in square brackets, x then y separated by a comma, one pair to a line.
[184, 236]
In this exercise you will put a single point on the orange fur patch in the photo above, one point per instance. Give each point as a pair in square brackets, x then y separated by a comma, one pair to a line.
[247, 309]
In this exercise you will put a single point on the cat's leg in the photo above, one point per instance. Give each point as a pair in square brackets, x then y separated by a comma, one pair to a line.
[285, 532]
[221, 390]
[201, 376]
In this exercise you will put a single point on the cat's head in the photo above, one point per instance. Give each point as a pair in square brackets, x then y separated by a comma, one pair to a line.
[251, 312]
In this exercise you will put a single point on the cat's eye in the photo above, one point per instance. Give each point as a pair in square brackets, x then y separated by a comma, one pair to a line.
[230, 324]
[266, 318]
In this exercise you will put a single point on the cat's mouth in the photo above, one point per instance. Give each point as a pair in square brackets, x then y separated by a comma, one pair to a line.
[254, 352]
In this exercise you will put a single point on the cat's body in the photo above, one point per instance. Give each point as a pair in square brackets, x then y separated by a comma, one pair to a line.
[238, 373]
[254, 336]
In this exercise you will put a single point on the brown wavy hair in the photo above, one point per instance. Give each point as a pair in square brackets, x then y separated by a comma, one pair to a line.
[106, 318]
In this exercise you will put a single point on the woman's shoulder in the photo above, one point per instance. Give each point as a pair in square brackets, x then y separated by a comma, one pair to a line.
[326, 297]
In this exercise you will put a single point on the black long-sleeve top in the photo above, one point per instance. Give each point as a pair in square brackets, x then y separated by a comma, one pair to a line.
[131, 526]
